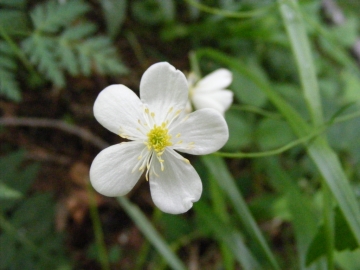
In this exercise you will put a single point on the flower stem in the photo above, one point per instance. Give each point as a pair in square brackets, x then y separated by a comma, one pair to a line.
[99, 235]
[329, 226]
[228, 13]
[277, 151]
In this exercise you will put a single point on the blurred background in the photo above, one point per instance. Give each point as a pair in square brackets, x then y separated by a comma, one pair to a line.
[255, 213]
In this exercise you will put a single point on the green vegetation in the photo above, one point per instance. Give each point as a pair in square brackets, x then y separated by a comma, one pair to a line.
[282, 194]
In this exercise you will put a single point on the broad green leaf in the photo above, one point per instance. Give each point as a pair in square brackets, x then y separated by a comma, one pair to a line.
[239, 131]
[272, 133]
[246, 91]
[348, 260]
[344, 239]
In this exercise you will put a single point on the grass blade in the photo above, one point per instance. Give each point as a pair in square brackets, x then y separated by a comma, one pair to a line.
[218, 169]
[322, 155]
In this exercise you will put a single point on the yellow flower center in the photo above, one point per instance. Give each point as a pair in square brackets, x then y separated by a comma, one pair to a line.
[159, 138]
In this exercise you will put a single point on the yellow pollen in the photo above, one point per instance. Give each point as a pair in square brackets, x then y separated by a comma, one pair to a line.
[158, 139]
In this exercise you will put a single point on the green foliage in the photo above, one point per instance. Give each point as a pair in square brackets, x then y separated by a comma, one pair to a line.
[344, 239]
[9, 86]
[27, 238]
[60, 41]
[63, 41]
[115, 13]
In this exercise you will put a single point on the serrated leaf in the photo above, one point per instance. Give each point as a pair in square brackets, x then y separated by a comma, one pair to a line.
[52, 15]
[68, 58]
[40, 50]
[79, 31]
[115, 14]
[102, 54]
[8, 85]
[344, 239]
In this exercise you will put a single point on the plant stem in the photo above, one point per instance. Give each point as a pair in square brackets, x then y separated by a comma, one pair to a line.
[99, 235]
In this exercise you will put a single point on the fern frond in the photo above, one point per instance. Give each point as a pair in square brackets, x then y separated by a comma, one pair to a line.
[41, 53]
[58, 45]
[51, 16]
[81, 56]
[100, 52]
[79, 32]
[8, 85]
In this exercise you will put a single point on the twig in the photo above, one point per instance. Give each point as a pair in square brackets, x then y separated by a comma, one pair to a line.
[84, 134]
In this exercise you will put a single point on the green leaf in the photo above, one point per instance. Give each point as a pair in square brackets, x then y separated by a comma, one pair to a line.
[150, 233]
[272, 133]
[246, 91]
[218, 169]
[351, 84]
[14, 178]
[51, 16]
[41, 51]
[301, 208]
[13, 21]
[239, 131]
[228, 235]
[344, 239]
[36, 244]
[115, 14]
[7, 251]
[78, 32]
[13, 3]
[9, 87]
[102, 54]
[322, 155]
[7, 192]
[348, 260]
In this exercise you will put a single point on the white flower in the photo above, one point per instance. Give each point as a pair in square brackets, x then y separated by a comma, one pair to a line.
[210, 92]
[156, 125]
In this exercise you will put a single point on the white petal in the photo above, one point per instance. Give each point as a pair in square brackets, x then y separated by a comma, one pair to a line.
[111, 171]
[204, 132]
[163, 87]
[118, 109]
[188, 107]
[218, 100]
[218, 79]
[176, 188]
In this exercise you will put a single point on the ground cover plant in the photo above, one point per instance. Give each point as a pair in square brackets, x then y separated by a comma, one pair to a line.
[282, 192]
